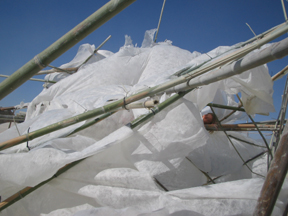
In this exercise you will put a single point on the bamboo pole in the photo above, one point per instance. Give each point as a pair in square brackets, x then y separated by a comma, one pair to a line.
[274, 179]
[75, 35]
[24, 192]
[238, 45]
[275, 51]
[11, 118]
[271, 122]
[280, 30]
[259, 131]
[146, 104]
[280, 73]
[94, 121]
[156, 109]
[231, 113]
[284, 10]
[32, 79]
[226, 107]
[249, 143]
[159, 22]
[239, 127]
[53, 70]
[255, 157]
[282, 113]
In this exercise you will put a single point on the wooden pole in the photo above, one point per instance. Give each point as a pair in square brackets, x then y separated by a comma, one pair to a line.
[280, 73]
[274, 180]
[239, 127]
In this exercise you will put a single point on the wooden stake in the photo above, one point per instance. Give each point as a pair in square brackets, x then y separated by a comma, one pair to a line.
[274, 180]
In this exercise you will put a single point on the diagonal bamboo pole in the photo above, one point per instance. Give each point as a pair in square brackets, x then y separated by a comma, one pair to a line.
[265, 141]
[156, 109]
[238, 45]
[159, 21]
[24, 192]
[32, 79]
[282, 29]
[41, 60]
[255, 157]
[259, 131]
[230, 114]
[276, 51]
[284, 10]
[226, 107]
[249, 143]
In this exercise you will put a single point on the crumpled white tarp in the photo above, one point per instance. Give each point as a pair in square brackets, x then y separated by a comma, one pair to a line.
[128, 172]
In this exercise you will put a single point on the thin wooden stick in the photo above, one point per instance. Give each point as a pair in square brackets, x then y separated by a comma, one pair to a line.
[259, 131]
[239, 127]
[280, 73]
[205, 173]
[160, 18]
[233, 137]
[226, 107]
[233, 144]
[256, 156]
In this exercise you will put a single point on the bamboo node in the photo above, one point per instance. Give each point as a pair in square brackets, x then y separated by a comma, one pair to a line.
[27, 137]
[124, 104]
[39, 63]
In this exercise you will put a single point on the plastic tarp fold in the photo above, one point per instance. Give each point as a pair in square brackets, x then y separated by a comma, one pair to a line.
[125, 171]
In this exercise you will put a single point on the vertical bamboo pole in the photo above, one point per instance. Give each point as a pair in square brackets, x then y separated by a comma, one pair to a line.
[75, 35]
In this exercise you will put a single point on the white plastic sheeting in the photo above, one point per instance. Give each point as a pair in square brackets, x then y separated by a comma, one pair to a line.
[127, 172]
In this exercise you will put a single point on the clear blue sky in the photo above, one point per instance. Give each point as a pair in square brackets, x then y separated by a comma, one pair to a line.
[28, 27]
